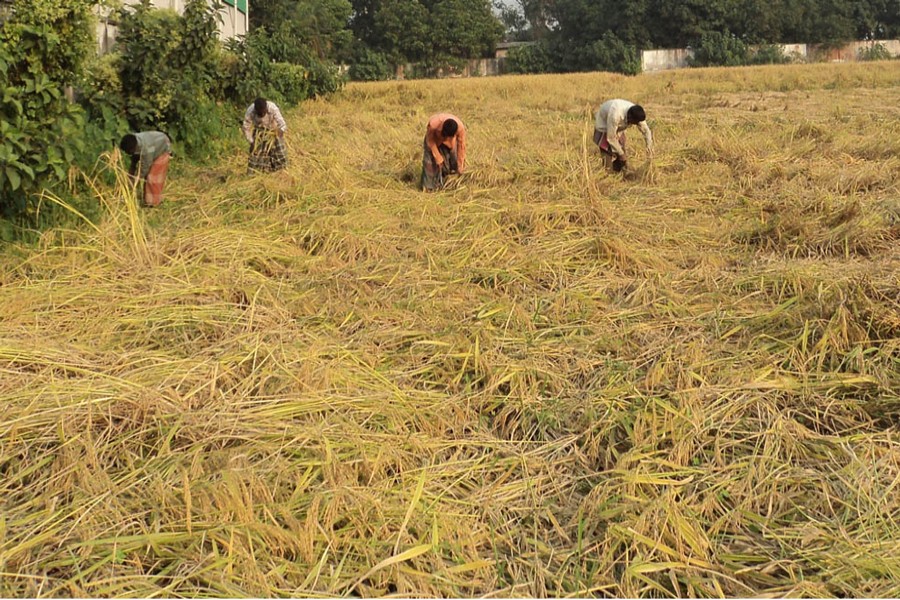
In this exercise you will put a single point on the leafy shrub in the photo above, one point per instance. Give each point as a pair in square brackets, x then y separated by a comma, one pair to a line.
[100, 94]
[873, 52]
[769, 54]
[531, 58]
[168, 66]
[250, 72]
[369, 65]
[720, 49]
[324, 78]
[290, 82]
[610, 53]
[42, 46]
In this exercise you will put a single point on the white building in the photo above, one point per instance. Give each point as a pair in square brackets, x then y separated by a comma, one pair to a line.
[235, 20]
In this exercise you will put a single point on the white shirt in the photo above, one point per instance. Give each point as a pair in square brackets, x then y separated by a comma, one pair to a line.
[271, 120]
[612, 118]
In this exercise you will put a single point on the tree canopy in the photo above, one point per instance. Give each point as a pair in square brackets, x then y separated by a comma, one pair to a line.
[572, 30]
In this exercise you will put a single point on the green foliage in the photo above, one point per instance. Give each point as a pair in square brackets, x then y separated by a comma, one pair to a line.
[572, 27]
[720, 49]
[873, 52]
[168, 64]
[250, 71]
[70, 27]
[610, 53]
[463, 29]
[42, 47]
[404, 30]
[437, 33]
[769, 54]
[369, 65]
[291, 82]
[534, 58]
[300, 31]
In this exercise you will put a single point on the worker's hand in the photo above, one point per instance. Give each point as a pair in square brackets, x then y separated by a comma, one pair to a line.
[619, 164]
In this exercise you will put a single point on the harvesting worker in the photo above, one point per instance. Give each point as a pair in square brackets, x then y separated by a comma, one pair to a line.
[150, 152]
[612, 119]
[444, 150]
[264, 129]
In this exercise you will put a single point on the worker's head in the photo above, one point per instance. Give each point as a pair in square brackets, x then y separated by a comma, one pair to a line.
[449, 128]
[129, 144]
[636, 114]
[261, 107]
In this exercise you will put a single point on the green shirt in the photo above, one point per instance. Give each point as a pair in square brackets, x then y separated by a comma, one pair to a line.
[151, 145]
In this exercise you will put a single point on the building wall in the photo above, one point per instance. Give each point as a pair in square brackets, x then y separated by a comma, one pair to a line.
[235, 22]
[662, 60]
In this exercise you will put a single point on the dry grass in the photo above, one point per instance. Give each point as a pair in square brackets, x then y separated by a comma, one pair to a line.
[544, 381]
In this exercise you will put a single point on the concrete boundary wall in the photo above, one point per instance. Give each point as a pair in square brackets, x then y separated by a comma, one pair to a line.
[677, 58]
[662, 60]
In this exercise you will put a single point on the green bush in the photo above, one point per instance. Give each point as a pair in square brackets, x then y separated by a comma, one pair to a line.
[610, 53]
[249, 72]
[718, 49]
[873, 52]
[42, 47]
[100, 94]
[369, 65]
[291, 82]
[533, 58]
[769, 54]
[168, 68]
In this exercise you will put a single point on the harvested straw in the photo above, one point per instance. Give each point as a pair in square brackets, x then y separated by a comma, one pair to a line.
[545, 381]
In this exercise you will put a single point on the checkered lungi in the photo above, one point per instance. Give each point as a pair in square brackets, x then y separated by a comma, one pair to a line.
[267, 153]
[433, 176]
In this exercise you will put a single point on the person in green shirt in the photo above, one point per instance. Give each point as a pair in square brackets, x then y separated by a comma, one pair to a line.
[150, 152]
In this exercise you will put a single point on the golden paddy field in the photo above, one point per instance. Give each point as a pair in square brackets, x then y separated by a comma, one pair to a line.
[543, 381]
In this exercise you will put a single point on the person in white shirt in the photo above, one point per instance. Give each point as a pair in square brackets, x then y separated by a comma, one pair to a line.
[264, 129]
[612, 119]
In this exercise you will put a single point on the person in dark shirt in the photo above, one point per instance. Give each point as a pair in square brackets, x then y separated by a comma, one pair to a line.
[150, 152]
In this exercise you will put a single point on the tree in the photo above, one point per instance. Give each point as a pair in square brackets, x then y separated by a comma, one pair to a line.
[402, 28]
[300, 29]
[435, 32]
[526, 20]
[463, 29]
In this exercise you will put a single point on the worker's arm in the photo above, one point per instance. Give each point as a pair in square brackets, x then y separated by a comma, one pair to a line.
[648, 135]
[247, 126]
[432, 145]
[461, 148]
[279, 120]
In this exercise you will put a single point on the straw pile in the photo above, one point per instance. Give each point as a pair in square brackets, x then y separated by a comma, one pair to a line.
[543, 381]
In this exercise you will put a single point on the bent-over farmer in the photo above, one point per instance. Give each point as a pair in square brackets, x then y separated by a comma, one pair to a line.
[264, 129]
[149, 150]
[612, 119]
[444, 150]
